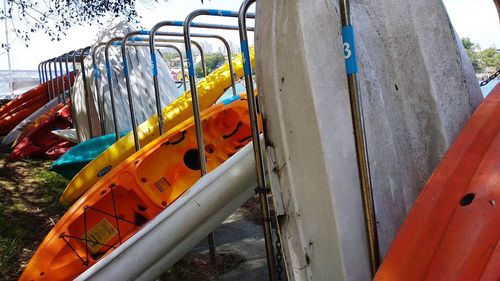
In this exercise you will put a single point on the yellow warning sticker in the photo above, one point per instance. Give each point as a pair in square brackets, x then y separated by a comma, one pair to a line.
[99, 235]
[162, 184]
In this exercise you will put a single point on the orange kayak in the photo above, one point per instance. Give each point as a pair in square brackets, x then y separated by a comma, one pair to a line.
[39, 91]
[453, 230]
[23, 106]
[136, 191]
[13, 117]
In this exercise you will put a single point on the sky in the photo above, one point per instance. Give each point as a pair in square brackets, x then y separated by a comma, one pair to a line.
[476, 19]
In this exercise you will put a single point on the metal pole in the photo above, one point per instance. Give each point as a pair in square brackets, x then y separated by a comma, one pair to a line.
[127, 82]
[56, 77]
[129, 93]
[109, 75]
[75, 70]
[181, 58]
[194, 94]
[70, 98]
[196, 44]
[69, 76]
[100, 98]
[152, 51]
[154, 68]
[202, 55]
[214, 36]
[86, 89]
[42, 71]
[198, 127]
[62, 79]
[42, 65]
[39, 73]
[51, 80]
[48, 81]
[112, 42]
[262, 188]
[7, 35]
[360, 138]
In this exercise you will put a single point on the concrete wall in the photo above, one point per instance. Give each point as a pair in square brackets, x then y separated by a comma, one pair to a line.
[141, 85]
[417, 89]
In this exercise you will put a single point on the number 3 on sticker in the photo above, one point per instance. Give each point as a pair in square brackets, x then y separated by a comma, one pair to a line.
[347, 50]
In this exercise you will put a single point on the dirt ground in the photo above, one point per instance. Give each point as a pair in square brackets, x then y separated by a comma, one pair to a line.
[28, 209]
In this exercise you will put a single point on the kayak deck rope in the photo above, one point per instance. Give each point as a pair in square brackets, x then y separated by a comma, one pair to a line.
[117, 218]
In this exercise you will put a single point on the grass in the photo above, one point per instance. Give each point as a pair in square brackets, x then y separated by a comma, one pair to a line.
[29, 208]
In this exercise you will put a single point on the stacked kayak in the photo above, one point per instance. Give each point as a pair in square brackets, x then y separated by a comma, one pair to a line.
[12, 113]
[137, 190]
[209, 90]
[73, 161]
[18, 109]
[453, 230]
[14, 134]
[40, 139]
[51, 113]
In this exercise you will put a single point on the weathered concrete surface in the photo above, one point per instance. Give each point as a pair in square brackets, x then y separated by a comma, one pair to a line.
[239, 235]
[417, 89]
[141, 85]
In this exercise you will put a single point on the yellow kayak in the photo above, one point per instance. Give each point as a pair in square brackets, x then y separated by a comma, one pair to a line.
[209, 90]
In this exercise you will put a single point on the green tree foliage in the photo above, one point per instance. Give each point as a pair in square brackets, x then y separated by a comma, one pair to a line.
[212, 62]
[472, 51]
[490, 58]
[170, 55]
[481, 59]
[55, 17]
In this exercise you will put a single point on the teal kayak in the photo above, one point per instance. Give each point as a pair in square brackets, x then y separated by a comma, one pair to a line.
[71, 162]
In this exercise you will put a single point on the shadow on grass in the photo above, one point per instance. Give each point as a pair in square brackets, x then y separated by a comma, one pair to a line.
[29, 208]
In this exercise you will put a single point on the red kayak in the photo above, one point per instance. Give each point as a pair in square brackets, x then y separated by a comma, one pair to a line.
[453, 230]
[46, 116]
[41, 139]
[23, 106]
[59, 149]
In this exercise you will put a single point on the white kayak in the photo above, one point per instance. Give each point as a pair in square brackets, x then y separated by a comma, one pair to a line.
[67, 134]
[16, 132]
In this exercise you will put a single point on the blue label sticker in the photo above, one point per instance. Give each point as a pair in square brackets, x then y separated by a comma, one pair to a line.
[125, 67]
[246, 58]
[224, 13]
[349, 49]
[96, 74]
[189, 56]
[116, 43]
[177, 23]
[154, 66]
[230, 100]
[144, 32]
[108, 70]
